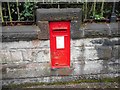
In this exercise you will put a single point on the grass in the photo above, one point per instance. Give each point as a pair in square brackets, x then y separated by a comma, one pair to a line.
[103, 80]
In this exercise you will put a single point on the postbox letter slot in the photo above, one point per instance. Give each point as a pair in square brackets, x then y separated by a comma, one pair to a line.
[58, 30]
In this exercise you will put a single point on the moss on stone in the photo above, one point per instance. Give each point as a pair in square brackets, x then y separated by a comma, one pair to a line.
[103, 80]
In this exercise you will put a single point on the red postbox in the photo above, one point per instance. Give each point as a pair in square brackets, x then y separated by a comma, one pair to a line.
[60, 44]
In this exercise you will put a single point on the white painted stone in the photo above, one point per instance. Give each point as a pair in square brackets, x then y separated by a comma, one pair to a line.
[115, 39]
[40, 44]
[16, 56]
[88, 67]
[5, 56]
[44, 43]
[75, 43]
[35, 43]
[25, 44]
[90, 53]
[43, 56]
[27, 54]
[78, 68]
[93, 67]
[77, 53]
[16, 45]
[36, 55]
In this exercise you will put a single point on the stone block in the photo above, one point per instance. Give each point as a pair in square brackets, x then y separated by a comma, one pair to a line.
[107, 42]
[45, 44]
[39, 44]
[27, 70]
[115, 41]
[115, 29]
[43, 33]
[43, 56]
[89, 67]
[77, 43]
[115, 32]
[5, 56]
[16, 56]
[16, 45]
[27, 55]
[77, 54]
[35, 43]
[96, 33]
[113, 67]
[76, 33]
[90, 53]
[18, 33]
[58, 14]
[104, 52]
[116, 52]
[25, 44]
[36, 55]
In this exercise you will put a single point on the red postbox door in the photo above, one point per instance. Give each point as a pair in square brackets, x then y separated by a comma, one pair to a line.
[60, 44]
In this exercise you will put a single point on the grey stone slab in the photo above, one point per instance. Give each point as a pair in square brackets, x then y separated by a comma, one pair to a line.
[104, 52]
[9, 37]
[115, 30]
[102, 29]
[96, 26]
[116, 52]
[43, 33]
[19, 29]
[16, 56]
[96, 33]
[17, 33]
[58, 14]
[5, 57]
[76, 33]
[111, 66]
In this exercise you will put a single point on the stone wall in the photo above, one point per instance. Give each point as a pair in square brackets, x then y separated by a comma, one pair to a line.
[29, 61]
[25, 55]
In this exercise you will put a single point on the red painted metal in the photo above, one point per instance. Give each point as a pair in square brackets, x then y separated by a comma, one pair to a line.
[60, 44]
